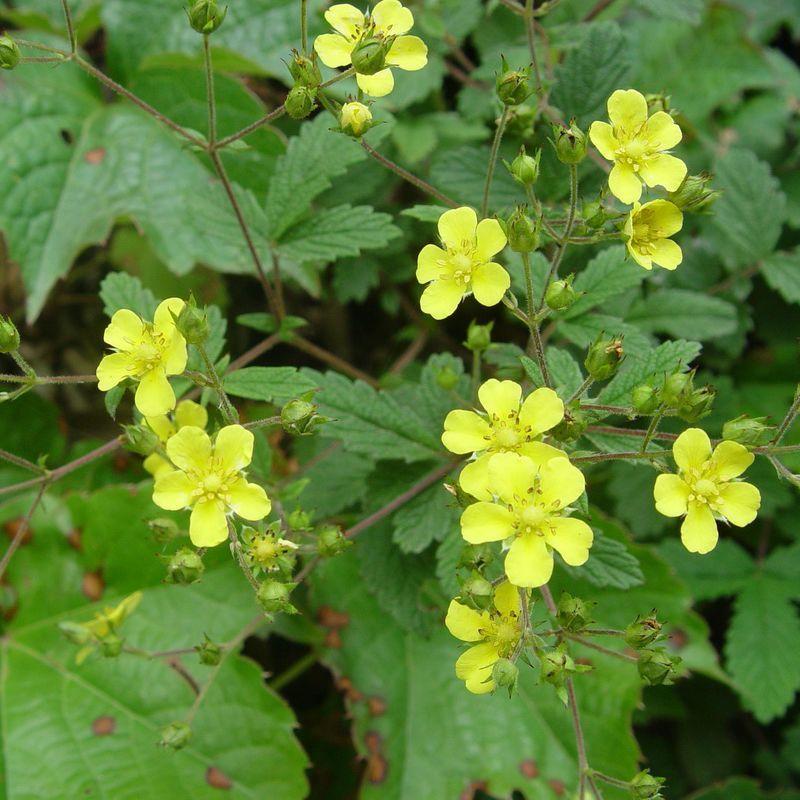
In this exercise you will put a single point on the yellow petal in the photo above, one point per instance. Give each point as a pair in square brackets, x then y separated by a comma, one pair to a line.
[624, 184]
[691, 449]
[431, 263]
[157, 465]
[173, 490]
[543, 409]
[112, 369]
[602, 137]
[175, 355]
[529, 563]
[465, 623]
[465, 432]
[408, 52]
[661, 131]
[441, 298]
[571, 537]
[233, 447]
[190, 449]
[500, 398]
[642, 259]
[187, 412]
[627, 110]
[474, 478]
[661, 217]
[124, 330]
[540, 453]
[474, 666]
[333, 50]
[161, 425]
[249, 500]
[378, 85]
[671, 494]
[344, 18]
[511, 476]
[666, 254]
[663, 170]
[699, 530]
[164, 318]
[391, 18]
[506, 599]
[489, 283]
[730, 459]
[490, 239]
[739, 503]
[458, 227]
[561, 484]
[154, 394]
[208, 525]
[486, 522]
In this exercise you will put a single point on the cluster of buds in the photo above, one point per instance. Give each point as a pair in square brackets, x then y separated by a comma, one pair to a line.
[267, 552]
[557, 666]
[524, 168]
[512, 85]
[522, 231]
[569, 143]
[604, 357]
[560, 294]
[676, 393]
[273, 596]
[695, 195]
[331, 541]
[656, 665]
[574, 614]
[184, 566]
[299, 416]
[205, 16]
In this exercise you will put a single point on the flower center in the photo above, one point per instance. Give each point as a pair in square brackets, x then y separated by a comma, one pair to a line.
[506, 634]
[633, 153]
[507, 438]
[531, 519]
[148, 352]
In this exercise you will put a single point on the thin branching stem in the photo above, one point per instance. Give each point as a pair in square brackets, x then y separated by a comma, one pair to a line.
[498, 138]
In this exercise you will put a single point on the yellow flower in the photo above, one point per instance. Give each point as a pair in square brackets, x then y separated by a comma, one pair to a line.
[355, 118]
[372, 44]
[704, 490]
[464, 265]
[109, 619]
[210, 481]
[637, 144]
[508, 425]
[145, 352]
[186, 413]
[531, 510]
[648, 229]
[496, 633]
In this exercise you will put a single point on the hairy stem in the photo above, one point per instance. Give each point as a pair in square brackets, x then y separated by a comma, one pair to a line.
[21, 530]
[306, 346]
[559, 254]
[225, 405]
[498, 137]
[47, 379]
[73, 42]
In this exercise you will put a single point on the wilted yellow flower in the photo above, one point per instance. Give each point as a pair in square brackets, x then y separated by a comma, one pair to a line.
[146, 352]
[648, 229]
[496, 634]
[464, 265]
[637, 144]
[705, 489]
[187, 412]
[372, 44]
[509, 425]
[210, 480]
[530, 508]
[355, 118]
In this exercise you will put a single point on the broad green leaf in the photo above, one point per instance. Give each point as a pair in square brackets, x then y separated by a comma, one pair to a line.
[565, 372]
[429, 517]
[121, 290]
[461, 174]
[678, 312]
[743, 789]
[424, 213]
[355, 278]
[335, 482]
[583, 330]
[782, 272]
[690, 11]
[272, 384]
[610, 564]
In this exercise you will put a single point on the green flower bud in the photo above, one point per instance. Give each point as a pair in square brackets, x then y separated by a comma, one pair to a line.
[75, 632]
[573, 613]
[299, 520]
[355, 119]
[698, 404]
[572, 426]
[140, 439]
[479, 337]
[331, 541]
[645, 786]
[657, 101]
[205, 16]
[524, 168]
[477, 590]
[560, 294]
[505, 674]
[210, 653]
[300, 101]
[192, 323]
[694, 195]
[111, 645]
[749, 431]
[176, 735]
[184, 567]
[9, 55]
[164, 529]
[447, 378]
[9, 335]
[604, 357]
[305, 70]
[677, 388]
[369, 55]
[274, 597]
[522, 231]
[512, 85]
[645, 399]
[657, 666]
[594, 215]
[643, 631]
[570, 143]
[299, 416]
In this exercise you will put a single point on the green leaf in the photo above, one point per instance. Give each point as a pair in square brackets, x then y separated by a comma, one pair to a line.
[121, 290]
[690, 11]
[565, 371]
[429, 517]
[610, 562]
[335, 483]
[461, 174]
[782, 272]
[424, 213]
[271, 384]
[354, 279]
[742, 789]
[583, 330]
[679, 312]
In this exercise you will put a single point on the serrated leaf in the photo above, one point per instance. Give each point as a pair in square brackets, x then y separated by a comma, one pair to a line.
[679, 312]
[782, 272]
[583, 330]
[461, 174]
[424, 213]
[428, 518]
[121, 290]
[565, 372]
[610, 564]
[335, 483]
[271, 384]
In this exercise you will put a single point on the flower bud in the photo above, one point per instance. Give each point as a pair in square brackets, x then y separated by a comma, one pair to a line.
[604, 357]
[274, 597]
[184, 567]
[477, 590]
[657, 666]
[594, 215]
[140, 439]
[9, 335]
[643, 631]
[331, 541]
[645, 399]
[505, 674]
[573, 613]
[524, 168]
[299, 520]
[560, 294]
[698, 404]
[645, 786]
[111, 645]
[749, 431]
[570, 143]
[205, 16]
[9, 53]
[75, 632]
[164, 529]
[369, 55]
[512, 85]
[447, 378]
[479, 337]
[192, 323]
[210, 653]
[304, 70]
[695, 195]
[657, 101]
[572, 426]
[677, 388]
[355, 119]
[300, 101]
[522, 231]
[300, 417]
[176, 735]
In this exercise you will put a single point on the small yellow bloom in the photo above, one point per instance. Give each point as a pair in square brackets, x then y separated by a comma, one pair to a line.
[495, 633]
[648, 229]
[146, 352]
[530, 508]
[187, 412]
[372, 44]
[209, 479]
[637, 144]
[109, 619]
[355, 118]
[704, 490]
[464, 265]
[508, 426]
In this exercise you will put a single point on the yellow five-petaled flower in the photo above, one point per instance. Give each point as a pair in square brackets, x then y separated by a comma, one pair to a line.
[636, 144]
[530, 508]
[464, 265]
[372, 44]
[187, 412]
[209, 479]
[705, 489]
[146, 352]
[494, 635]
[648, 229]
[509, 425]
